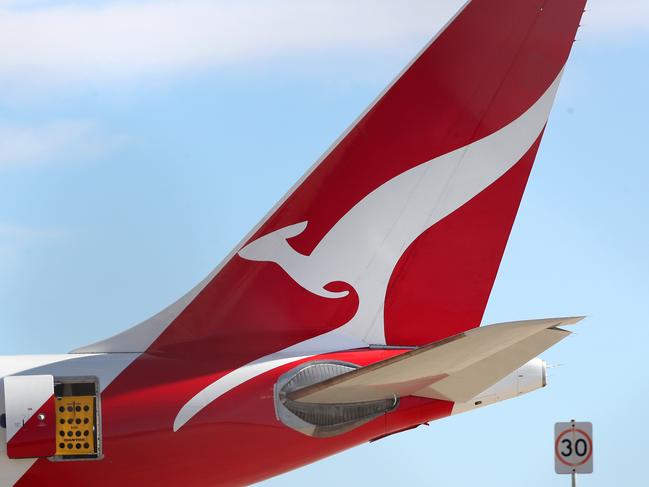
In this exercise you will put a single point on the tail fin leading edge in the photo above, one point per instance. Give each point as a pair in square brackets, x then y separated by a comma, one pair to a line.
[396, 234]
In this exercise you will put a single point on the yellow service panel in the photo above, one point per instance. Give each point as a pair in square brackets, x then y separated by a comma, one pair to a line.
[75, 423]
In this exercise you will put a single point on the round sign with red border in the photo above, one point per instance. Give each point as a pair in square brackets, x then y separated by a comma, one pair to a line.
[573, 447]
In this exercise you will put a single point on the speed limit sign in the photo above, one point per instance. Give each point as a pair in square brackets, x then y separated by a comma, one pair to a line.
[573, 447]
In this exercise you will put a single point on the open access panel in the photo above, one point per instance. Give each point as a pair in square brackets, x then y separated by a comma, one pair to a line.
[78, 419]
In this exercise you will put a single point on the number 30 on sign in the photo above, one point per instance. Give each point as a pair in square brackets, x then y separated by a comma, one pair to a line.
[573, 447]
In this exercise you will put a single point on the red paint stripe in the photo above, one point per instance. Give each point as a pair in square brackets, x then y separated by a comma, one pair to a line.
[36, 438]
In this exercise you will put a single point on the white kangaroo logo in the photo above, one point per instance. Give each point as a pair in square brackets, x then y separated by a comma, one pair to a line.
[364, 246]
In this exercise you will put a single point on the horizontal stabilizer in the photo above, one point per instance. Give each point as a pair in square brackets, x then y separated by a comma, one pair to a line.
[455, 369]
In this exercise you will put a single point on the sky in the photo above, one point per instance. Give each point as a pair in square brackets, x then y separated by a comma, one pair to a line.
[141, 140]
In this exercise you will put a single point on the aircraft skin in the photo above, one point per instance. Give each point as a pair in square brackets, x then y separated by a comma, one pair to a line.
[390, 242]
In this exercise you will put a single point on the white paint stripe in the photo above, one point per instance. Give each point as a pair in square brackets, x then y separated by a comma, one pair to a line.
[229, 382]
[325, 343]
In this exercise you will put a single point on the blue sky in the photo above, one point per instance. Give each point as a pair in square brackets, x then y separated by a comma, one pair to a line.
[140, 140]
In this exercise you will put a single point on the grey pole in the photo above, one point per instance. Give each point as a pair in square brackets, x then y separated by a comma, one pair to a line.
[573, 475]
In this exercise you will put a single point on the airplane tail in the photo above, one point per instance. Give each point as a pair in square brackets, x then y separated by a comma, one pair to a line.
[395, 236]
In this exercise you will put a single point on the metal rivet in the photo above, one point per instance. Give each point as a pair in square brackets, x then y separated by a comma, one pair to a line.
[41, 417]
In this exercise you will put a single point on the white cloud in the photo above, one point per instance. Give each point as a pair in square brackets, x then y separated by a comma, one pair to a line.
[16, 239]
[29, 145]
[93, 40]
[619, 18]
[9, 231]
[114, 39]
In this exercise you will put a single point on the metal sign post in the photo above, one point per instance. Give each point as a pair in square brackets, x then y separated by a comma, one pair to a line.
[573, 449]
